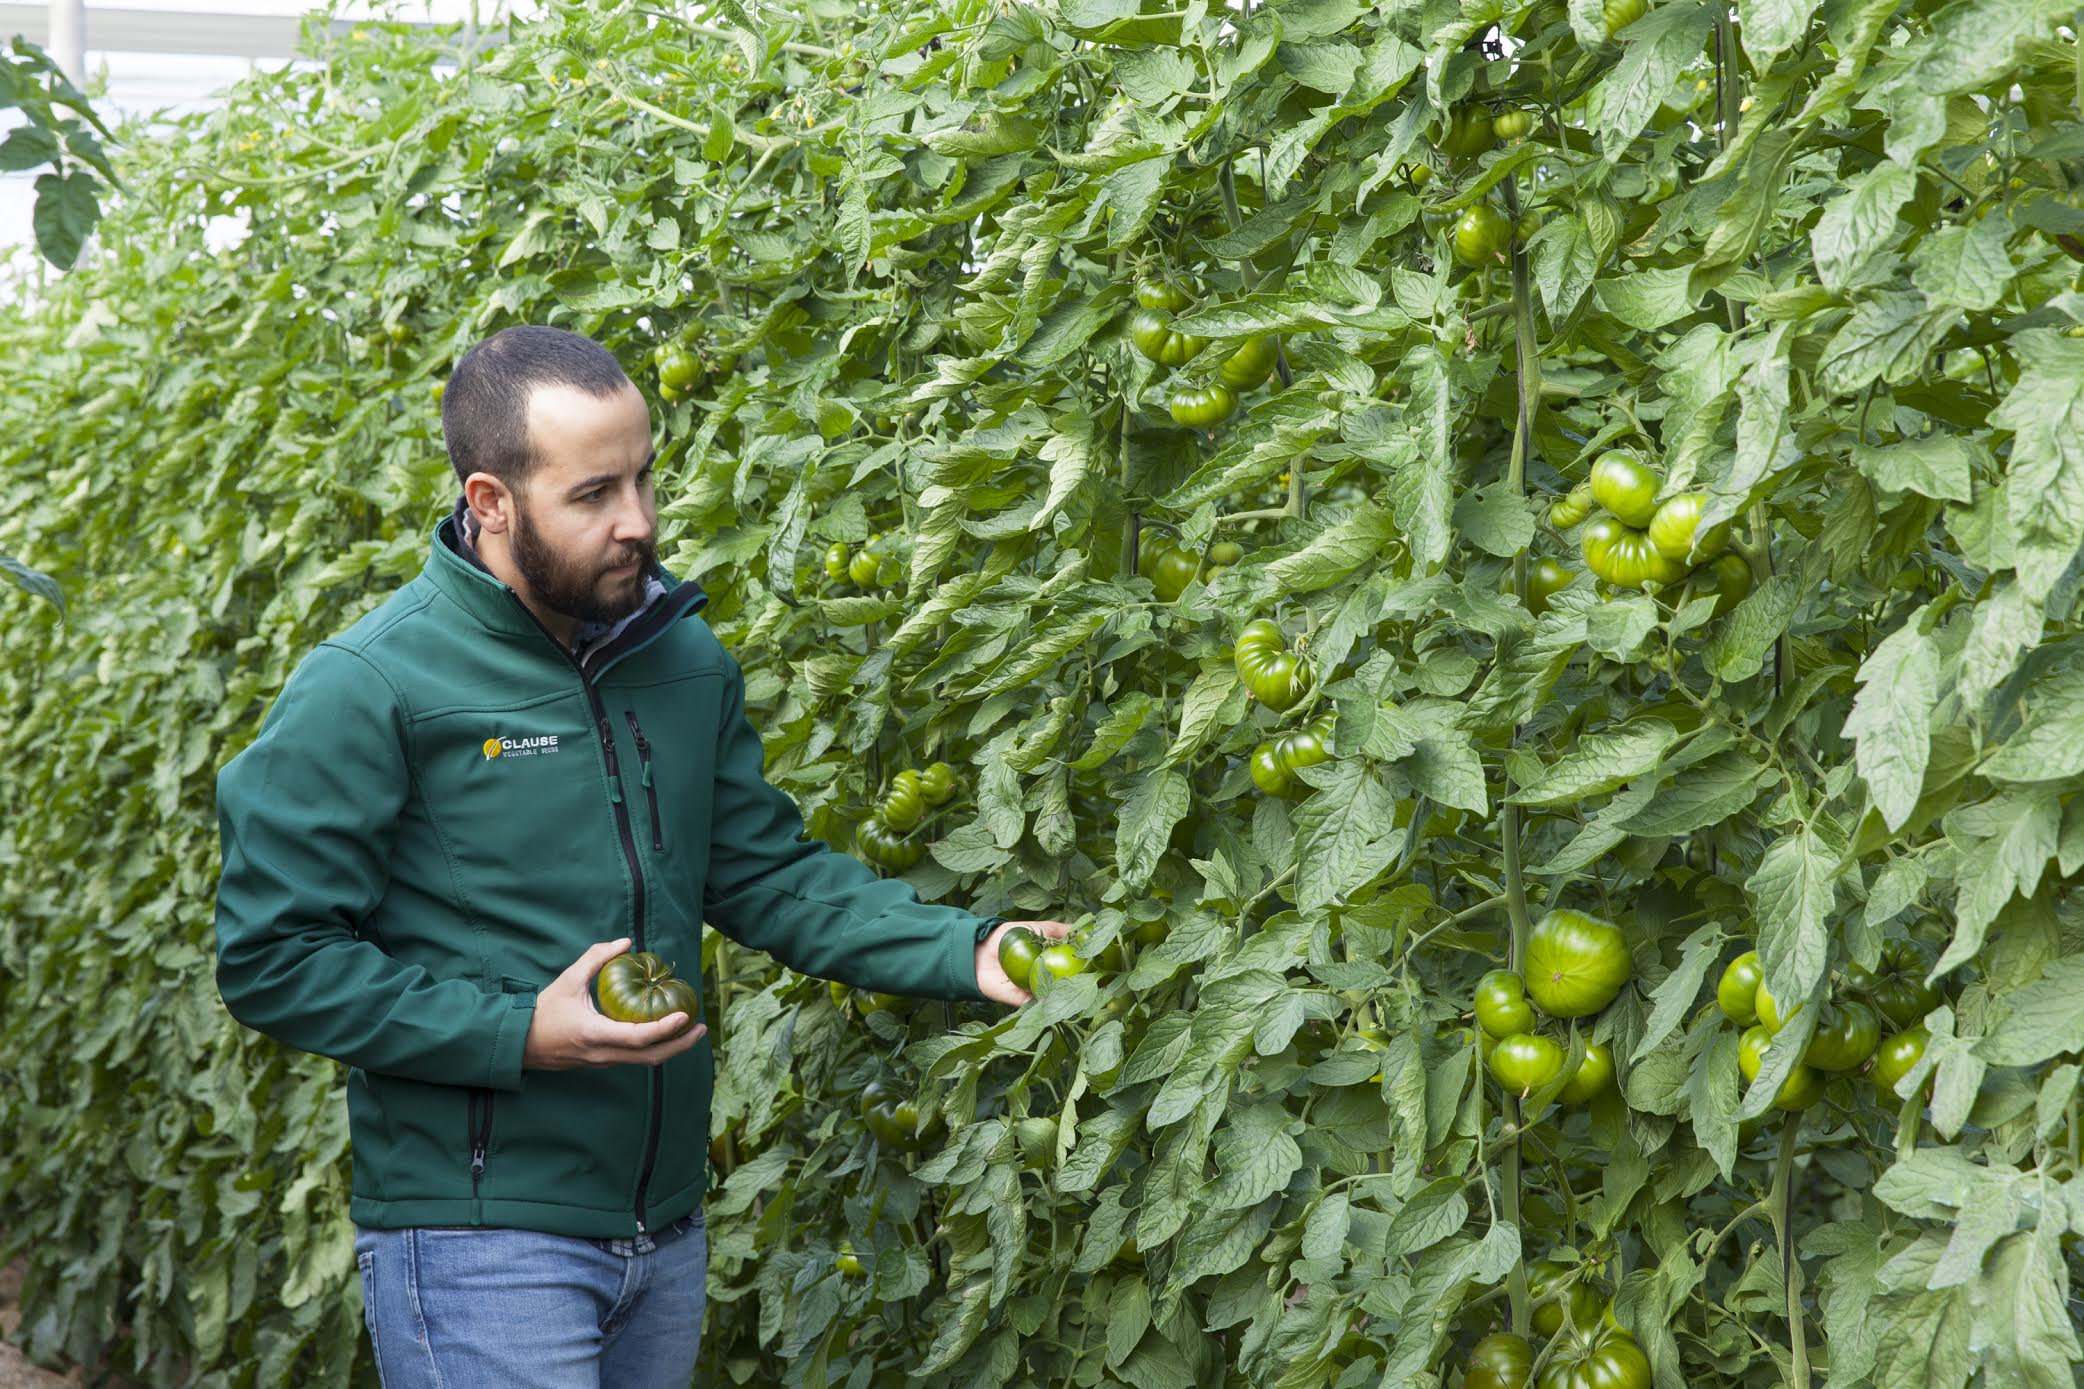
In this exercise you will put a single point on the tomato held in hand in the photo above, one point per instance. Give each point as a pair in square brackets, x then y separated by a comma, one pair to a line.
[1500, 1361]
[1675, 530]
[1575, 964]
[1482, 235]
[641, 987]
[1593, 1078]
[1019, 949]
[1626, 487]
[1737, 994]
[1247, 368]
[1501, 1004]
[1061, 960]
[1525, 1061]
[1203, 407]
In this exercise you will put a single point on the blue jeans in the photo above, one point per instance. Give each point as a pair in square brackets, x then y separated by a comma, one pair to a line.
[453, 1307]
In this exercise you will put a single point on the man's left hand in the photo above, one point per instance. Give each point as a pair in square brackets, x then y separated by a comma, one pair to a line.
[991, 976]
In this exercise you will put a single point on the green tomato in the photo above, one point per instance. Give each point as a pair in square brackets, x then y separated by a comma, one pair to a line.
[937, 783]
[1673, 530]
[1525, 1061]
[1545, 579]
[1267, 772]
[1619, 14]
[1625, 557]
[1468, 133]
[1019, 949]
[1482, 235]
[836, 561]
[1899, 990]
[1594, 1075]
[1247, 368]
[1151, 331]
[1172, 571]
[1769, 1015]
[678, 370]
[1728, 579]
[1802, 1088]
[641, 987]
[903, 807]
[1626, 487]
[1161, 294]
[1572, 508]
[1203, 407]
[1270, 674]
[1581, 1304]
[1512, 123]
[1061, 960]
[1898, 1056]
[1737, 994]
[847, 1263]
[1225, 552]
[1576, 964]
[1501, 1005]
[1500, 1361]
[1845, 1036]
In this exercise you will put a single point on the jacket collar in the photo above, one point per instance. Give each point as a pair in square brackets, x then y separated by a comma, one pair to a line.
[453, 566]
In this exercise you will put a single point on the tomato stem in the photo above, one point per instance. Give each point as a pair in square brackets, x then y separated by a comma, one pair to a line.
[1783, 1208]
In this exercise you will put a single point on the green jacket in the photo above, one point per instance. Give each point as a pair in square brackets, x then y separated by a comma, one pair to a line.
[443, 810]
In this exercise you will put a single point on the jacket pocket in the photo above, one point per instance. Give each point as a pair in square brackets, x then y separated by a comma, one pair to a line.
[658, 835]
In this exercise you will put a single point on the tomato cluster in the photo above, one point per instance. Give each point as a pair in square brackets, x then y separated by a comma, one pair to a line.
[1272, 674]
[1204, 404]
[1848, 1031]
[1635, 540]
[881, 838]
[894, 1121]
[1575, 966]
[877, 564]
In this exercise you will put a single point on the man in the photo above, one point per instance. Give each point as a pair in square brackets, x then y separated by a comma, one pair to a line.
[530, 759]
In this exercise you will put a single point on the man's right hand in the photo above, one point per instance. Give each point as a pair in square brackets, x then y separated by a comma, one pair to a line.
[567, 1031]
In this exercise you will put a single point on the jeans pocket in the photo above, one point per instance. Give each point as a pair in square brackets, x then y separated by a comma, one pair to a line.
[366, 1260]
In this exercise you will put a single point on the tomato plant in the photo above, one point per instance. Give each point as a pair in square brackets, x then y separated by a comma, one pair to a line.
[934, 274]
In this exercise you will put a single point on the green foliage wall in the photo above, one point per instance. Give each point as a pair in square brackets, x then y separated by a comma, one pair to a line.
[1816, 261]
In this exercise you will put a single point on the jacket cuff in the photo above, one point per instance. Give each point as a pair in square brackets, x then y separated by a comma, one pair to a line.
[510, 1042]
[963, 968]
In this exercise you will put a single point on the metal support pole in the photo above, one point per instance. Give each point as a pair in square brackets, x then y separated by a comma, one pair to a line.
[68, 47]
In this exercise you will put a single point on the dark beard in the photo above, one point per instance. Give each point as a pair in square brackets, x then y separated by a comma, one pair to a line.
[577, 593]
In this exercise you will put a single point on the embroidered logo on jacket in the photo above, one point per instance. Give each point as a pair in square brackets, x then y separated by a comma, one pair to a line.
[520, 747]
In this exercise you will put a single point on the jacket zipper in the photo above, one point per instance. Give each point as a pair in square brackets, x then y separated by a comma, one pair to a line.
[478, 1127]
[654, 1118]
[658, 843]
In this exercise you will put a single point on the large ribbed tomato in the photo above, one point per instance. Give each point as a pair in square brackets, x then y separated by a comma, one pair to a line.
[1575, 964]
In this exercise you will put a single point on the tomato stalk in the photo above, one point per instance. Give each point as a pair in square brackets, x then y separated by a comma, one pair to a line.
[1783, 1212]
[1529, 386]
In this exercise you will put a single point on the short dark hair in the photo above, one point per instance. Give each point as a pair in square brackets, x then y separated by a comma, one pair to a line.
[484, 406]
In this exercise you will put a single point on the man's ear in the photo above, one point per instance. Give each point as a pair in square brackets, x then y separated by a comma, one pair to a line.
[490, 500]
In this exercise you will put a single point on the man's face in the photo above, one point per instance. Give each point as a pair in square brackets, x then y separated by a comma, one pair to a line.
[586, 533]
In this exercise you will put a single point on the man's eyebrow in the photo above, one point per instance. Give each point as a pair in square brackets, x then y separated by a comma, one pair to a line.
[603, 479]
